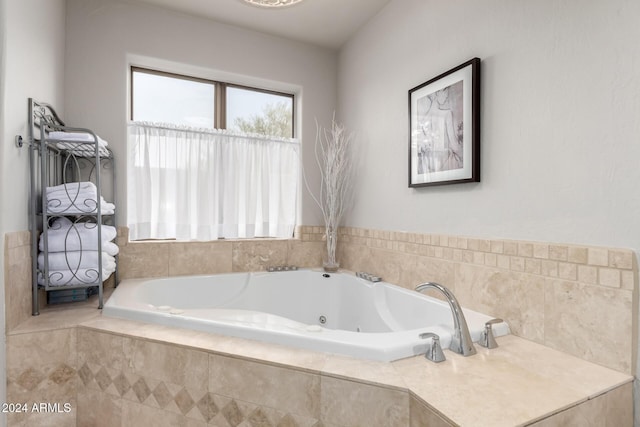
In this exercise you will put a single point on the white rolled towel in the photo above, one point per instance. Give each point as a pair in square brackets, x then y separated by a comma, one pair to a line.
[64, 235]
[74, 278]
[75, 260]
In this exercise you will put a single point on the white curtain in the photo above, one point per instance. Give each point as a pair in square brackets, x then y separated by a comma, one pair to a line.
[193, 184]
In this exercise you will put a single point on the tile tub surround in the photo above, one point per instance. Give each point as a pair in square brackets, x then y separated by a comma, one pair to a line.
[576, 299]
[169, 258]
[17, 278]
[554, 294]
[42, 368]
[17, 290]
[160, 259]
[124, 373]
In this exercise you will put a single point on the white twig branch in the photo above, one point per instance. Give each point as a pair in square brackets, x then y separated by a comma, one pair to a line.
[334, 156]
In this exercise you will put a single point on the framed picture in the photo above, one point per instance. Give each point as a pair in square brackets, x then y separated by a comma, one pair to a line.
[444, 128]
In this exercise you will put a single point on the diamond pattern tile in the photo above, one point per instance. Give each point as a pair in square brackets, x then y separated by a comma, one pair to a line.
[122, 384]
[30, 378]
[212, 408]
[232, 414]
[141, 390]
[287, 421]
[103, 379]
[162, 395]
[62, 374]
[259, 419]
[207, 407]
[184, 401]
[85, 374]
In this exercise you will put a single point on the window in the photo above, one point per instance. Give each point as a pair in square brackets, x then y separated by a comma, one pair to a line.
[188, 180]
[162, 98]
[254, 111]
[188, 101]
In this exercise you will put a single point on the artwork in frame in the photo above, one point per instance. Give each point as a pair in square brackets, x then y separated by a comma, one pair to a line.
[444, 128]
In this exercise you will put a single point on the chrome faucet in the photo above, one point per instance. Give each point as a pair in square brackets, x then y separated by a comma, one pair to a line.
[434, 353]
[486, 337]
[461, 342]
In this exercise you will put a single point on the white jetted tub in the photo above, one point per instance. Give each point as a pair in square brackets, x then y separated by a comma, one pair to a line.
[335, 313]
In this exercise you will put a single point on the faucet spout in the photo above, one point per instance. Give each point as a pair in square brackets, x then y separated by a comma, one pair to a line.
[461, 342]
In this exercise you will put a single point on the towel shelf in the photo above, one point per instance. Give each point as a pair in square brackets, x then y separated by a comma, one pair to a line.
[74, 214]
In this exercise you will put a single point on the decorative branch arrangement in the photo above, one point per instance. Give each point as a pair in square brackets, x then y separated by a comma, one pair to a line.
[334, 156]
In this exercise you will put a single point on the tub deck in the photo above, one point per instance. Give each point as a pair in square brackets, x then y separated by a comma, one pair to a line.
[519, 383]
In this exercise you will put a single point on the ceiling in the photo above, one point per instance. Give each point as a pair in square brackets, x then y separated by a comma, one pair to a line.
[327, 23]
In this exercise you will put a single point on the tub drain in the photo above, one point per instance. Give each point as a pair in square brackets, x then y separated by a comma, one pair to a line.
[322, 320]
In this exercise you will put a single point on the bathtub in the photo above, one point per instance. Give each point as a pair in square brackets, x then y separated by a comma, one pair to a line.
[309, 309]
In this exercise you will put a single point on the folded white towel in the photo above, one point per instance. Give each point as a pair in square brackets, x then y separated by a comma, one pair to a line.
[58, 243]
[73, 195]
[78, 205]
[64, 235]
[76, 198]
[63, 224]
[76, 260]
[76, 136]
[72, 188]
[74, 278]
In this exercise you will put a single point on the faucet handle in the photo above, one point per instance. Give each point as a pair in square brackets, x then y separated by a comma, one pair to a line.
[434, 353]
[486, 337]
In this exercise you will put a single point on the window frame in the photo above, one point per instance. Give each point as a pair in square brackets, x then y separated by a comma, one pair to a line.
[220, 94]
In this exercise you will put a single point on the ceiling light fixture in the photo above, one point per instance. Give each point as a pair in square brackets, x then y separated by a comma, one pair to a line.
[272, 3]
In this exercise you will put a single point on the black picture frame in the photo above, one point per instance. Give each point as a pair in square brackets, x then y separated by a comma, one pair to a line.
[444, 128]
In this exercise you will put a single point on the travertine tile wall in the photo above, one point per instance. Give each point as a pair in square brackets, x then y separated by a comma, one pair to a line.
[42, 369]
[159, 259]
[559, 295]
[611, 409]
[110, 379]
[133, 382]
[166, 258]
[17, 278]
[576, 299]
